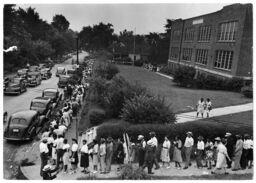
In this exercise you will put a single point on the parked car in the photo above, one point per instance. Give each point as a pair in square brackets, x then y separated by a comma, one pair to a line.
[16, 86]
[46, 73]
[60, 71]
[34, 78]
[23, 73]
[33, 68]
[23, 125]
[6, 82]
[63, 81]
[71, 72]
[53, 94]
[43, 105]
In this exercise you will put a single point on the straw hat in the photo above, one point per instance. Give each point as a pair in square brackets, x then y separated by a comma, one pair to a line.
[46, 167]
[189, 133]
[228, 134]
[140, 137]
[217, 139]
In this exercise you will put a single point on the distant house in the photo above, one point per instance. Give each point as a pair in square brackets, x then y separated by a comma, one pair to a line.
[134, 56]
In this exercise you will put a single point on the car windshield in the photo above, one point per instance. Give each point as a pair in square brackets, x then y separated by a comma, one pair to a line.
[63, 79]
[38, 104]
[71, 72]
[18, 121]
[60, 70]
[49, 94]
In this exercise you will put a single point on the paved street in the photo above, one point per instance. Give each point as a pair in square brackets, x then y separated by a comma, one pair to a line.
[22, 102]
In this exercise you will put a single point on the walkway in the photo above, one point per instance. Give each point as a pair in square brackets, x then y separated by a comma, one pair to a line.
[164, 75]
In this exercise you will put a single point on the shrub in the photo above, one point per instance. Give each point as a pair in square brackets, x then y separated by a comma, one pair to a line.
[184, 76]
[247, 91]
[234, 84]
[106, 70]
[166, 70]
[97, 90]
[128, 172]
[147, 109]
[96, 116]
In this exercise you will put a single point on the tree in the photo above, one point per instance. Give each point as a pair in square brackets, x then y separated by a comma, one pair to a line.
[60, 23]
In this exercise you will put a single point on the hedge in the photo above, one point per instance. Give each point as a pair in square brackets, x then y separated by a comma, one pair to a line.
[96, 116]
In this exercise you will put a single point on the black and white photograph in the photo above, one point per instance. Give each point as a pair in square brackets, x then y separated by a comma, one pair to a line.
[127, 90]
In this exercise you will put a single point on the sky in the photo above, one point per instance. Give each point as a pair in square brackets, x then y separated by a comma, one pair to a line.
[141, 18]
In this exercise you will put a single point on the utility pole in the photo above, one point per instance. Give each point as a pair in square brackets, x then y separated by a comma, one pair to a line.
[134, 46]
[77, 59]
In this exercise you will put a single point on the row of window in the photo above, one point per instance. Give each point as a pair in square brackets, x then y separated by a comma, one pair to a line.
[223, 58]
[226, 32]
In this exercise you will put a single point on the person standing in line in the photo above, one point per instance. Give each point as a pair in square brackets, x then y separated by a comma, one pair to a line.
[250, 153]
[230, 147]
[189, 142]
[54, 152]
[120, 153]
[95, 158]
[155, 143]
[66, 147]
[199, 152]
[149, 156]
[84, 160]
[50, 141]
[209, 154]
[141, 150]
[43, 154]
[200, 107]
[102, 153]
[237, 153]
[177, 158]
[59, 150]
[208, 107]
[109, 154]
[222, 156]
[165, 153]
[74, 156]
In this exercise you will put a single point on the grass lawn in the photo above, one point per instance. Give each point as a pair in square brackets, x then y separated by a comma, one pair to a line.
[181, 99]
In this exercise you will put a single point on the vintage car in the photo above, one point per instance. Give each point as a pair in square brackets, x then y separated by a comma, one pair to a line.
[43, 105]
[63, 81]
[34, 78]
[71, 72]
[53, 94]
[46, 73]
[23, 73]
[16, 86]
[34, 68]
[60, 71]
[6, 82]
[23, 125]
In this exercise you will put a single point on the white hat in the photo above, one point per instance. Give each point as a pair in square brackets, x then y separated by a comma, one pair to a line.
[228, 134]
[46, 167]
[150, 143]
[140, 137]
[189, 133]
[218, 138]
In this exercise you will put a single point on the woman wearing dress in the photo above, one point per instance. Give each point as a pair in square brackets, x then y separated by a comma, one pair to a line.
[177, 158]
[237, 153]
[95, 156]
[65, 148]
[221, 156]
[208, 107]
[165, 153]
[209, 153]
[74, 156]
[84, 157]
[54, 153]
[102, 153]
[200, 107]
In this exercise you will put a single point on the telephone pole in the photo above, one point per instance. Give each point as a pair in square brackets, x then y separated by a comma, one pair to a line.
[134, 46]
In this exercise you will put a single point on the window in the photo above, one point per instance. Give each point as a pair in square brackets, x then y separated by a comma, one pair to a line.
[189, 34]
[176, 35]
[227, 31]
[174, 52]
[187, 54]
[201, 56]
[223, 59]
[204, 33]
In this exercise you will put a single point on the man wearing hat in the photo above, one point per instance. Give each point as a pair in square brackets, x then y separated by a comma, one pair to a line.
[43, 153]
[141, 150]
[199, 152]
[149, 156]
[155, 144]
[189, 142]
[47, 172]
[230, 147]
[109, 153]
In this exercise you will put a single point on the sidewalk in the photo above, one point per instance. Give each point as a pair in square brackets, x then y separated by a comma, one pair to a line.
[191, 116]
[164, 75]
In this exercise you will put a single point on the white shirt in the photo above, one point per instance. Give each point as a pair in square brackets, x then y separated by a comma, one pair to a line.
[84, 149]
[167, 144]
[53, 123]
[144, 144]
[62, 129]
[248, 144]
[95, 148]
[50, 140]
[154, 140]
[45, 134]
[58, 131]
[200, 145]
[66, 146]
[74, 147]
[189, 142]
[59, 143]
[43, 148]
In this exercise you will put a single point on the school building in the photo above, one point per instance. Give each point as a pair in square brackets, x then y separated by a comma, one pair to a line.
[219, 43]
